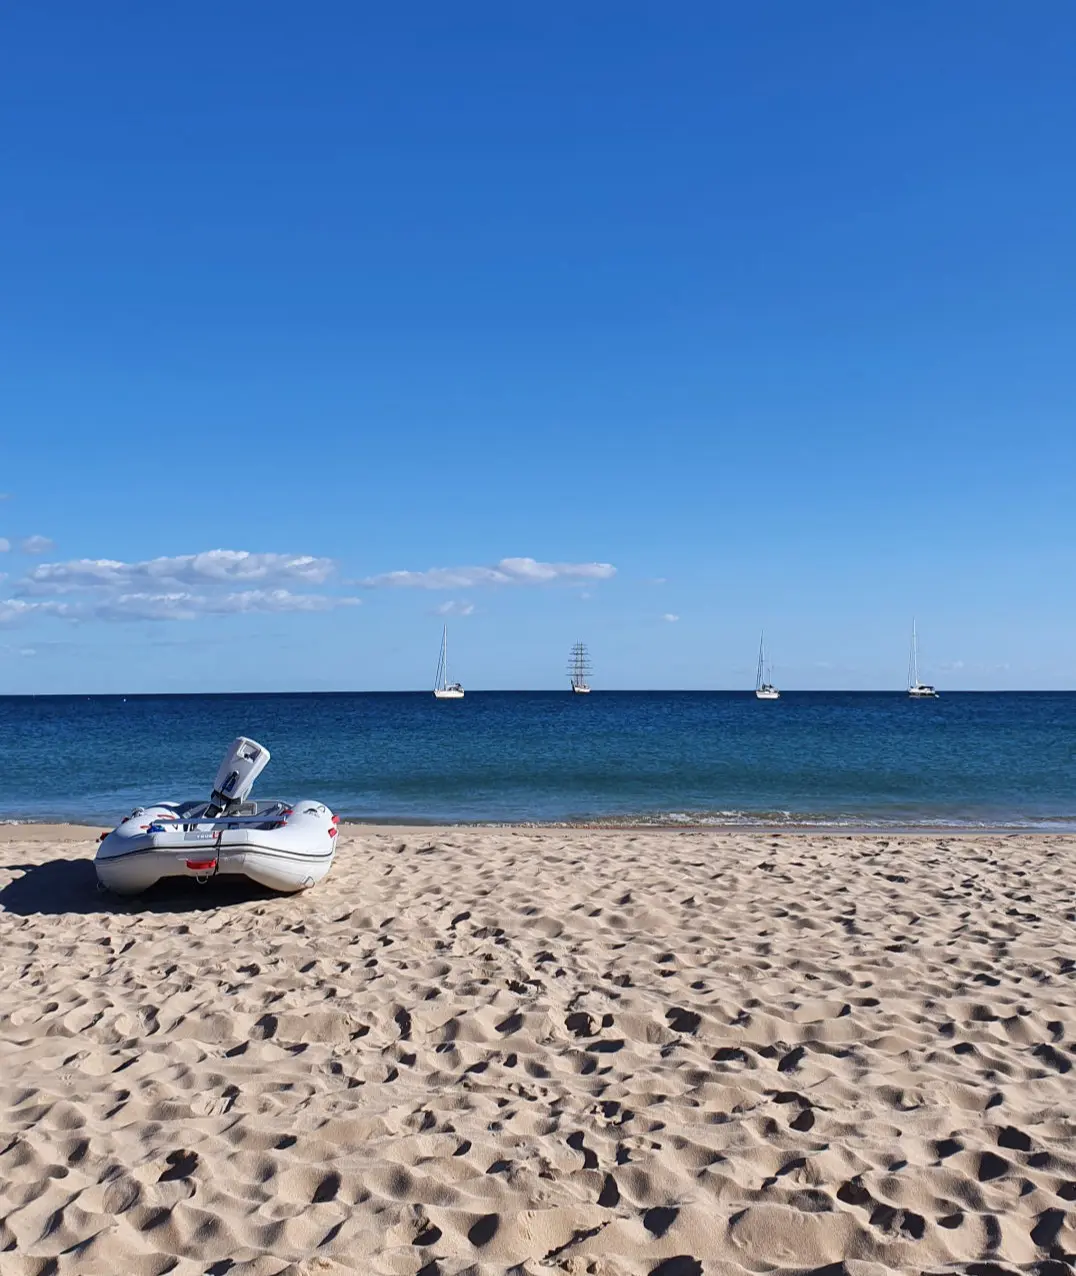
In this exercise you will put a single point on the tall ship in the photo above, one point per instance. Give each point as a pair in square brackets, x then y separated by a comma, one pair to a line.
[916, 689]
[442, 688]
[579, 669]
[764, 688]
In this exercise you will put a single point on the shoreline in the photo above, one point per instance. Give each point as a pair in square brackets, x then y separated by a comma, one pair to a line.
[67, 828]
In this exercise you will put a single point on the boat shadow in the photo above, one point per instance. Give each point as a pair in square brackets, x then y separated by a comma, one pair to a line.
[69, 886]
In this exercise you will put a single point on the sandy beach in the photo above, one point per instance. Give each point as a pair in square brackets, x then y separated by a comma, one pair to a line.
[545, 1050]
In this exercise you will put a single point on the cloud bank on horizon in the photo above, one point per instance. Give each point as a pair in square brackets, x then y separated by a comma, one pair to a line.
[186, 587]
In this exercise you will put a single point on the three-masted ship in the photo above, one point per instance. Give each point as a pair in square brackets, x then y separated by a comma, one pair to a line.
[579, 669]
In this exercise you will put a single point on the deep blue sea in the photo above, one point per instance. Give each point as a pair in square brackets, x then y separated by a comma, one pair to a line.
[829, 758]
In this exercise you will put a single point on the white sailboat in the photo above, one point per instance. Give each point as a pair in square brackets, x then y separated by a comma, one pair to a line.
[442, 688]
[579, 670]
[916, 689]
[764, 688]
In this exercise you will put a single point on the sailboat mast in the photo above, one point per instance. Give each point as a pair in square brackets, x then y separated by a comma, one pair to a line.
[441, 681]
[915, 656]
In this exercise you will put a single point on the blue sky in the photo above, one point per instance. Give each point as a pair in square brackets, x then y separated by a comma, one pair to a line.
[740, 315]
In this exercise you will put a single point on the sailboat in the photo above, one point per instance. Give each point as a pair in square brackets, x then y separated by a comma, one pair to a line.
[916, 689]
[579, 669]
[442, 688]
[764, 688]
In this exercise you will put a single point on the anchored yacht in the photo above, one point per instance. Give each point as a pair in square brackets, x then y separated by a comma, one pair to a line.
[764, 688]
[916, 689]
[442, 688]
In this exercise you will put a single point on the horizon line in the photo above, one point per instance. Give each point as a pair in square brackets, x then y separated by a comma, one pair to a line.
[481, 691]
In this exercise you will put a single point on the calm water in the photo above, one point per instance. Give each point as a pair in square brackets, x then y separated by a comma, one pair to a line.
[814, 757]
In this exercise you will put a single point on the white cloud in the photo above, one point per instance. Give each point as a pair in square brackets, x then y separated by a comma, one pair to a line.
[36, 544]
[177, 606]
[671, 617]
[509, 571]
[181, 587]
[27, 651]
[454, 608]
[5, 545]
[281, 600]
[215, 566]
[657, 580]
[12, 609]
[186, 606]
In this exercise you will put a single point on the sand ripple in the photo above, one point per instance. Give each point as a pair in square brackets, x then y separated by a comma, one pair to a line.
[532, 1051]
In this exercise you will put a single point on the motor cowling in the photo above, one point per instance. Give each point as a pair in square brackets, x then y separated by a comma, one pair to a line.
[243, 763]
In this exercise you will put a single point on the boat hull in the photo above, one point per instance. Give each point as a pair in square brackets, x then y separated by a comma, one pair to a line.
[443, 693]
[767, 694]
[290, 850]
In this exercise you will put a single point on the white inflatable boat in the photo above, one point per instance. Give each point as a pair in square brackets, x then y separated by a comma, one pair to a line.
[286, 846]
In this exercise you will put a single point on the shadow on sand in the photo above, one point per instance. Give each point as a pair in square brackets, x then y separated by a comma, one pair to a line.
[70, 886]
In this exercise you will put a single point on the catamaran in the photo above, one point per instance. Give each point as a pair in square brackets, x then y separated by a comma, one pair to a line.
[764, 688]
[579, 669]
[916, 689]
[442, 688]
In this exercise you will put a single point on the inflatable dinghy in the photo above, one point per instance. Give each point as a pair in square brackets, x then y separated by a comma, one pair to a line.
[287, 846]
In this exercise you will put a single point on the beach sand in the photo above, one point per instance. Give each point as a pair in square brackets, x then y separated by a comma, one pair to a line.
[545, 1050]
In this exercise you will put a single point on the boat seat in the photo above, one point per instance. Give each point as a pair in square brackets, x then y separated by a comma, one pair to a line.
[268, 810]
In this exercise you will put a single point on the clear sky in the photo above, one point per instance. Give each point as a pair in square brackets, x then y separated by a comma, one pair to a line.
[647, 325]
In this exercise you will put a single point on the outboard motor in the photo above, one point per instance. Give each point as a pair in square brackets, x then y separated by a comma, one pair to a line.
[243, 763]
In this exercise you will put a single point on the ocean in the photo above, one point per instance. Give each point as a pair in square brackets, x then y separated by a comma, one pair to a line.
[813, 758]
